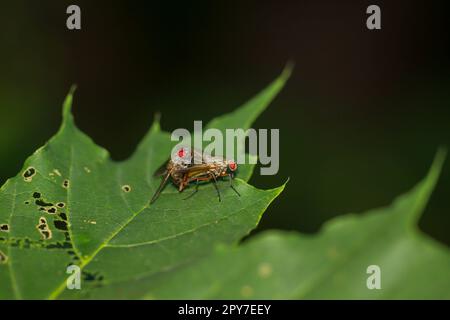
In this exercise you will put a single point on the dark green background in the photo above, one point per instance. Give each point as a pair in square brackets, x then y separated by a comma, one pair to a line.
[360, 120]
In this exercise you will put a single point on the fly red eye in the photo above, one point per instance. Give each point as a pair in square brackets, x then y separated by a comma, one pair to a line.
[181, 153]
[232, 166]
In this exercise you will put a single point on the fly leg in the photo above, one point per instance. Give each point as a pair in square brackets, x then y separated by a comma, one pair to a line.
[213, 176]
[184, 182]
[195, 191]
[160, 188]
[231, 184]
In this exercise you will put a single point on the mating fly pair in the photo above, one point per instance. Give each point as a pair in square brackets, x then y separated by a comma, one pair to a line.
[188, 166]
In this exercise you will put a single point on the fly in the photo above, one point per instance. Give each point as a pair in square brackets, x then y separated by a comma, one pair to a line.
[192, 166]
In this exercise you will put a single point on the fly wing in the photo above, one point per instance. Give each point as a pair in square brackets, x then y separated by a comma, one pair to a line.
[197, 171]
[197, 157]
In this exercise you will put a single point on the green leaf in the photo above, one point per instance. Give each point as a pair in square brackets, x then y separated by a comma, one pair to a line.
[330, 265]
[71, 204]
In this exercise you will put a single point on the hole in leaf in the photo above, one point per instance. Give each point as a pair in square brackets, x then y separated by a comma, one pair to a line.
[92, 276]
[126, 188]
[28, 174]
[4, 227]
[61, 204]
[47, 234]
[43, 229]
[60, 225]
[63, 216]
[36, 195]
[51, 210]
[59, 245]
[66, 184]
[42, 203]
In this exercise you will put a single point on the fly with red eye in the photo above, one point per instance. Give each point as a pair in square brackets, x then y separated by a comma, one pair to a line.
[232, 166]
[193, 166]
[211, 169]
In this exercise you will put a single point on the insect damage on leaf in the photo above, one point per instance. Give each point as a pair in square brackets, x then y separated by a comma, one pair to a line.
[28, 174]
[126, 188]
[60, 204]
[43, 205]
[66, 184]
[95, 278]
[52, 210]
[4, 227]
[43, 229]
[60, 225]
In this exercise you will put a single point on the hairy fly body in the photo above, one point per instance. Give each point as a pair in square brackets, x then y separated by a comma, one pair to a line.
[193, 166]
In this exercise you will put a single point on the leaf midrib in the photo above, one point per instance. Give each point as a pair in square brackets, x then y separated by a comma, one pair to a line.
[55, 294]
[156, 241]
[179, 234]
